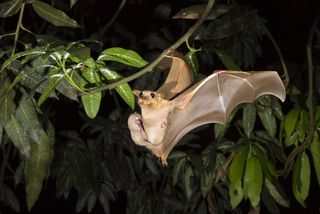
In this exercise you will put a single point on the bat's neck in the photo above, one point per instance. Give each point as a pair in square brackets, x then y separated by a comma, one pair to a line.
[155, 113]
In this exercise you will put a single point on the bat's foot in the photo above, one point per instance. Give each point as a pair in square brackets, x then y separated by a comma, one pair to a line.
[164, 161]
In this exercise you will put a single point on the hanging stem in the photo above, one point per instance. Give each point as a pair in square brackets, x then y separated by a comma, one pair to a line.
[276, 46]
[19, 24]
[149, 67]
[105, 28]
[310, 78]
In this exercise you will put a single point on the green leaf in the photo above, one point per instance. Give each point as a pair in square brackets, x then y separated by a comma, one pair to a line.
[315, 152]
[177, 155]
[236, 168]
[18, 175]
[36, 167]
[91, 102]
[59, 56]
[83, 199]
[276, 191]
[18, 136]
[50, 130]
[236, 171]
[206, 182]
[269, 202]
[104, 203]
[317, 116]
[301, 178]
[33, 52]
[32, 77]
[67, 90]
[235, 195]
[91, 202]
[188, 174]
[225, 146]
[219, 130]
[90, 74]
[80, 53]
[8, 198]
[72, 2]
[227, 60]
[177, 170]
[195, 11]
[302, 125]
[10, 8]
[209, 157]
[53, 15]
[27, 117]
[127, 57]
[193, 61]
[292, 139]
[290, 121]
[252, 180]
[278, 110]
[7, 106]
[266, 165]
[268, 121]
[231, 25]
[124, 90]
[54, 78]
[249, 119]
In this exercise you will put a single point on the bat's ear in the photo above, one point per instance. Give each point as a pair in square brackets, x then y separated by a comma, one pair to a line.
[136, 92]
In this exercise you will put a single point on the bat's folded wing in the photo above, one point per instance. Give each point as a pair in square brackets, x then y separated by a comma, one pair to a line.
[179, 76]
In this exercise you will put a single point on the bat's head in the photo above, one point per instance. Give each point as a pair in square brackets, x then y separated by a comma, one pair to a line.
[149, 98]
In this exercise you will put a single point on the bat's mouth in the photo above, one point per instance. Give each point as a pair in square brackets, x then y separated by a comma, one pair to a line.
[143, 102]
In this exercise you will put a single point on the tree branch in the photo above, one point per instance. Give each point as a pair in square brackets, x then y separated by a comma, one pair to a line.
[149, 67]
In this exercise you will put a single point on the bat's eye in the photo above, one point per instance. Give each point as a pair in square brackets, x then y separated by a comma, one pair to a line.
[152, 95]
[140, 94]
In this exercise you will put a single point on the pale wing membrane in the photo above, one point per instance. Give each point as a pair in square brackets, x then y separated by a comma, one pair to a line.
[179, 77]
[205, 105]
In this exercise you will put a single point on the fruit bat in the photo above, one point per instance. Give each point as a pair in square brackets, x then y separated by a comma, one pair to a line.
[174, 109]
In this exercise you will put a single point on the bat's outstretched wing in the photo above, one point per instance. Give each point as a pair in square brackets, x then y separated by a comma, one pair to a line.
[213, 99]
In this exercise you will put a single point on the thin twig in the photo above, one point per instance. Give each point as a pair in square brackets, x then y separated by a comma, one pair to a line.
[16, 37]
[105, 28]
[276, 46]
[149, 67]
[310, 78]
[7, 34]
[223, 168]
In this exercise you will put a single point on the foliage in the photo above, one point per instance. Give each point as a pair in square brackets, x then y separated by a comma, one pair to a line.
[247, 162]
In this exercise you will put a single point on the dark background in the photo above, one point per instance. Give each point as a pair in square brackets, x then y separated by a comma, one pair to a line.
[289, 22]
